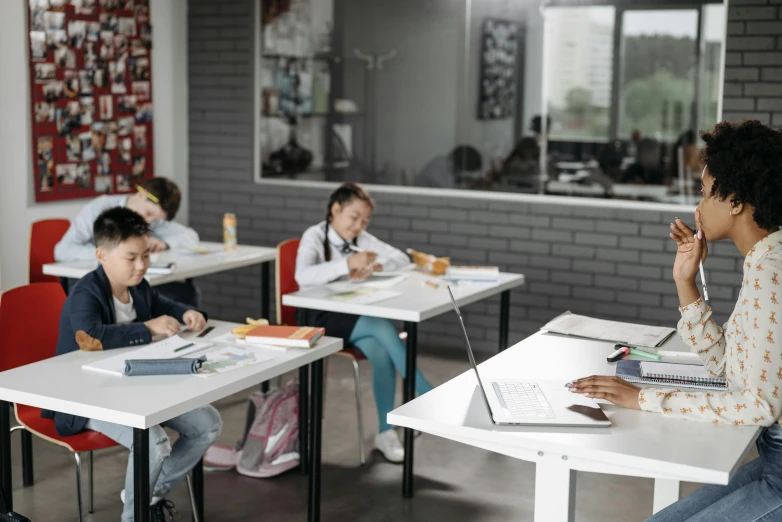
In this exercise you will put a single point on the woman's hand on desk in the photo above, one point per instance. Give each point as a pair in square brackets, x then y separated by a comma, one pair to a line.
[612, 389]
[690, 251]
[361, 260]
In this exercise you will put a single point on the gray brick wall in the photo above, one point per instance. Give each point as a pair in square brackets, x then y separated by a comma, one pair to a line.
[606, 262]
[753, 70]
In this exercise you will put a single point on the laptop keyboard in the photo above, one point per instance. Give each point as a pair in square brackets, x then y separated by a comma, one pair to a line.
[524, 399]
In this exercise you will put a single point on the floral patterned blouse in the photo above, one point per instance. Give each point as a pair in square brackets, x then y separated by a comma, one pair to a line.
[747, 350]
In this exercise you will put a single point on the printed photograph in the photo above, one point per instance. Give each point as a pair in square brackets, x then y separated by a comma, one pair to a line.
[103, 184]
[71, 84]
[38, 45]
[104, 164]
[106, 45]
[126, 4]
[111, 141]
[125, 146]
[141, 90]
[140, 138]
[139, 165]
[65, 58]
[83, 175]
[106, 107]
[127, 104]
[109, 5]
[72, 147]
[54, 21]
[37, 18]
[138, 48]
[45, 147]
[56, 39]
[125, 126]
[139, 69]
[120, 47]
[57, 5]
[100, 78]
[117, 74]
[91, 55]
[85, 83]
[65, 121]
[93, 31]
[127, 26]
[99, 138]
[142, 14]
[123, 182]
[45, 162]
[109, 22]
[44, 112]
[87, 110]
[77, 32]
[84, 7]
[45, 72]
[66, 173]
[52, 91]
[145, 31]
[87, 150]
[144, 113]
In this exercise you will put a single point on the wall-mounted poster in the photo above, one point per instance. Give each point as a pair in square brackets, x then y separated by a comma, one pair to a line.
[499, 51]
[91, 96]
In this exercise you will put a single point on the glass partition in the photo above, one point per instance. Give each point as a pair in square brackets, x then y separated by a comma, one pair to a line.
[583, 100]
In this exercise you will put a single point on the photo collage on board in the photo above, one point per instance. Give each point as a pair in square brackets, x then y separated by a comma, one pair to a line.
[91, 82]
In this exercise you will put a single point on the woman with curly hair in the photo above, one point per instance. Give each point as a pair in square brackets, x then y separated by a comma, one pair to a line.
[742, 202]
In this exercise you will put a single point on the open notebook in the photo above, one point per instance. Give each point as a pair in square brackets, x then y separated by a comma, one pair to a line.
[602, 330]
[669, 375]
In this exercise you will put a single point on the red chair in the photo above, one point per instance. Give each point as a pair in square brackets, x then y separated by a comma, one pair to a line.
[285, 284]
[44, 235]
[29, 319]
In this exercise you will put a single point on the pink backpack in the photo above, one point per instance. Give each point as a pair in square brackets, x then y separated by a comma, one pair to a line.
[271, 441]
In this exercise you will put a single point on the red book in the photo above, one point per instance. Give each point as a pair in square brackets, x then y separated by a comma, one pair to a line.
[288, 336]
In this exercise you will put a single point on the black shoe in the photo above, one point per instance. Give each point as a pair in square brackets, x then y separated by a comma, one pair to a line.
[163, 511]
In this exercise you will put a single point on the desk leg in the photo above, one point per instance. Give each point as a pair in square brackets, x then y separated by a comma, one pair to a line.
[198, 489]
[141, 475]
[666, 492]
[409, 395]
[28, 478]
[64, 284]
[504, 321]
[555, 492]
[5, 455]
[266, 284]
[313, 506]
[304, 392]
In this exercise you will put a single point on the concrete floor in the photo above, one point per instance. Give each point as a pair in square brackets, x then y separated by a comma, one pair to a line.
[454, 482]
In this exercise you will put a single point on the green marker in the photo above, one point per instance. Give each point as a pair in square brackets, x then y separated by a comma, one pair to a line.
[183, 347]
[641, 353]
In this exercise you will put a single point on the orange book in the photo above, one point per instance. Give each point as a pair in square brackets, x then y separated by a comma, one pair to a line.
[287, 336]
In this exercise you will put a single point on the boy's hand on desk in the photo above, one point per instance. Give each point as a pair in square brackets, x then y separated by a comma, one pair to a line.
[195, 321]
[612, 389]
[156, 245]
[164, 325]
[361, 260]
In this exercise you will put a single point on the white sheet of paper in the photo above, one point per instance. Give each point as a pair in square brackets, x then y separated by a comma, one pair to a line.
[382, 280]
[591, 328]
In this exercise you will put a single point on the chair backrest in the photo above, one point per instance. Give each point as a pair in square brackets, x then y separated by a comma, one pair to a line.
[29, 324]
[286, 279]
[44, 235]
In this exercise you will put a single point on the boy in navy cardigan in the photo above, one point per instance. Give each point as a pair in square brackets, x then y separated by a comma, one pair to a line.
[115, 307]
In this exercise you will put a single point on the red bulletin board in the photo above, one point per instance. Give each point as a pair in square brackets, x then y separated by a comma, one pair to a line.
[91, 96]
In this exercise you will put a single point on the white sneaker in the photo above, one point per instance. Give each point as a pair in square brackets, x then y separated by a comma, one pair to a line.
[389, 445]
[152, 502]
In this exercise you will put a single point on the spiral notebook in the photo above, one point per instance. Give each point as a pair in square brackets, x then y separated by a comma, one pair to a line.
[669, 374]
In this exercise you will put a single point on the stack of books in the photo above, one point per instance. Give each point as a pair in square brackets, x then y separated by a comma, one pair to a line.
[285, 336]
[481, 274]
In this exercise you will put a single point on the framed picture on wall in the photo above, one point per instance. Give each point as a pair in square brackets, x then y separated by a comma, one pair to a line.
[498, 69]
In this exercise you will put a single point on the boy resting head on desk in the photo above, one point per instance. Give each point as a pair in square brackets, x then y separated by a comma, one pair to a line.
[114, 307]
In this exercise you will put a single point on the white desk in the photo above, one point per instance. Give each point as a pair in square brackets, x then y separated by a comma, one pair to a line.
[416, 304]
[637, 444]
[61, 384]
[190, 265]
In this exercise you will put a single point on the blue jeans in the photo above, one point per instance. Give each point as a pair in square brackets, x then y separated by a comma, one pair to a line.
[379, 341]
[753, 495]
[168, 467]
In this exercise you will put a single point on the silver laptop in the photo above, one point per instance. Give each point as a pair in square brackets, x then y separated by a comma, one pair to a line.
[533, 403]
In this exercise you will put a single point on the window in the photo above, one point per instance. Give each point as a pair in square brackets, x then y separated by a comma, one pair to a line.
[578, 72]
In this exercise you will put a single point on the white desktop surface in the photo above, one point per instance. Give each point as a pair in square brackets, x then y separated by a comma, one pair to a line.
[187, 265]
[637, 444]
[61, 384]
[416, 303]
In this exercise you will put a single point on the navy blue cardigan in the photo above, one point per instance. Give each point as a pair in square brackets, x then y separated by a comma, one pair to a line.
[90, 308]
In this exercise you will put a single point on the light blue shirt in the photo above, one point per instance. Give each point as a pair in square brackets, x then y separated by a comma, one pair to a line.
[78, 243]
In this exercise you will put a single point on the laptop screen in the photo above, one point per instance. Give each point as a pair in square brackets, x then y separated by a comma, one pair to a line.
[469, 348]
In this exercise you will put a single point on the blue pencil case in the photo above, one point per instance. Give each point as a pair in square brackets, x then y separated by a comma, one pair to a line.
[177, 366]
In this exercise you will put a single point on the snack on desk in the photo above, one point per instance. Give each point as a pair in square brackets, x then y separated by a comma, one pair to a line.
[429, 263]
